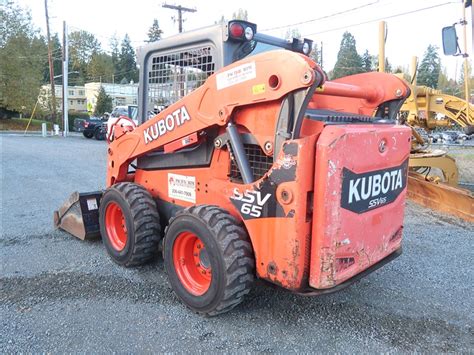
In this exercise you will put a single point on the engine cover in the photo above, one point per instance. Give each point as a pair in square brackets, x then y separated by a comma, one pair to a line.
[359, 199]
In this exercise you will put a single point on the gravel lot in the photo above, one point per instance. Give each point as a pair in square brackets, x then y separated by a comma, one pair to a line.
[59, 294]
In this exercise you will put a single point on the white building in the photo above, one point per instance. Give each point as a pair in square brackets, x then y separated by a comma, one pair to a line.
[121, 94]
[76, 97]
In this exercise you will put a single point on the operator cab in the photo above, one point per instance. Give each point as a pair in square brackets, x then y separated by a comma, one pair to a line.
[173, 67]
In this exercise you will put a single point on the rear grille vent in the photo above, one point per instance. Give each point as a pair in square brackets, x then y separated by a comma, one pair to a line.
[344, 263]
[259, 163]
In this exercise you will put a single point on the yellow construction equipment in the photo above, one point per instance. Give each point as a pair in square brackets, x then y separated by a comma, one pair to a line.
[428, 109]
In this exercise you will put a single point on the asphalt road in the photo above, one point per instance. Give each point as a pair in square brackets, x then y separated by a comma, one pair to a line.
[59, 294]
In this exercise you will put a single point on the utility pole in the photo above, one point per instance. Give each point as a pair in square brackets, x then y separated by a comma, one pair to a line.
[180, 10]
[466, 55]
[65, 81]
[382, 40]
[50, 60]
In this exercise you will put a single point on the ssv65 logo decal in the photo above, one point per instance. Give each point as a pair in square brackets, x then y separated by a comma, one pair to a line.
[367, 191]
[250, 203]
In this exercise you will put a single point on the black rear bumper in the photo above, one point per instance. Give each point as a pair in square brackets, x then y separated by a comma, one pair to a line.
[316, 292]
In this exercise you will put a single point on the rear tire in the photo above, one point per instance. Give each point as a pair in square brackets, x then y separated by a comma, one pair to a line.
[129, 224]
[209, 259]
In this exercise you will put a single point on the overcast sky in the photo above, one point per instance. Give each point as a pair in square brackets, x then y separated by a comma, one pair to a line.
[408, 34]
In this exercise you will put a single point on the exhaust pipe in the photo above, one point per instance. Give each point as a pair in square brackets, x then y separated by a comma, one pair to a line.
[79, 215]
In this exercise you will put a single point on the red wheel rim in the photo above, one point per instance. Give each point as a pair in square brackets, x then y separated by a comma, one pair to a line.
[115, 226]
[192, 264]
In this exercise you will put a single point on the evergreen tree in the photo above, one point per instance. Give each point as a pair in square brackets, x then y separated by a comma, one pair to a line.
[315, 53]
[367, 62]
[114, 46]
[443, 81]
[127, 61]
[430, 67]
[348, 60]
[375, 64]
[155, 32]
[104, 103]
[462, 88]
[388, 66]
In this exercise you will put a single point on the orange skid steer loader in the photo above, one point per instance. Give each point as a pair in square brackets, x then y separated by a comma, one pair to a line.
[256, 167]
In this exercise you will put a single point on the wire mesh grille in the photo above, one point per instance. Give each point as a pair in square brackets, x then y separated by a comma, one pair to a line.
[259, 162]
[173, 75]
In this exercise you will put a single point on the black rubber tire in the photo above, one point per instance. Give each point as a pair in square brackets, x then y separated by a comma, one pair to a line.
[142, 221]
[468, 130]
[99, 134]
[88, 134]
[230, 253]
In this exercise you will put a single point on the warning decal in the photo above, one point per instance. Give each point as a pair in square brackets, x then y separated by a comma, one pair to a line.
[182, 187]
[92, 204]
[236, 75]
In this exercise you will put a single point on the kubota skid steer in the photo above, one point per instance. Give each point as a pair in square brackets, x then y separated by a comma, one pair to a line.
[254, 168]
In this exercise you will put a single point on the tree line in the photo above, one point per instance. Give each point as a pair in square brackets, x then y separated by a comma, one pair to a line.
[24, 63]
[430, 71]
[24, 60]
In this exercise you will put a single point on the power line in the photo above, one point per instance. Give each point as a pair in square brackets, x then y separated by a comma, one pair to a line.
[323, 17]
[380, 18]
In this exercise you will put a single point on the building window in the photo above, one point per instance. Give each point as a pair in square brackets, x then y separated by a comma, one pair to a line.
[134, 101]
[71, 92]
[81, 93]
[71, 102]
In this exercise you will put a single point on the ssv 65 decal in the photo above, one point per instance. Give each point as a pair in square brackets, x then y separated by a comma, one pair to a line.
[250, 202]
[367, 191]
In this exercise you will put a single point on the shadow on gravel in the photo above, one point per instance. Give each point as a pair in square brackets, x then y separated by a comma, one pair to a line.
[353, 317]
[49, 287]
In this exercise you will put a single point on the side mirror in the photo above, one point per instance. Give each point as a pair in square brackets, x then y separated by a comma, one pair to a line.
[450, 41]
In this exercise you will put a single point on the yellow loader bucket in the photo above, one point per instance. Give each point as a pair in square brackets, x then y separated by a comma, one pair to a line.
[79, 215]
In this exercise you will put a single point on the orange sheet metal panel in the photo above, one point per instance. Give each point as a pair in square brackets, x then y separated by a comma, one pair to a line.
[359, 198]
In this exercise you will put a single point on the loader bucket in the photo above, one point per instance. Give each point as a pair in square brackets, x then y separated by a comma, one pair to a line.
[79, 215]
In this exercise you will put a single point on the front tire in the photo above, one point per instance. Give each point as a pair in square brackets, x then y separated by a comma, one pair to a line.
[129, 224]
[99, 134]
[88, 134]
[209, 259]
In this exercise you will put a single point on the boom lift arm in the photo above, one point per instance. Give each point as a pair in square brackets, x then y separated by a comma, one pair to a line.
[212, 104]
